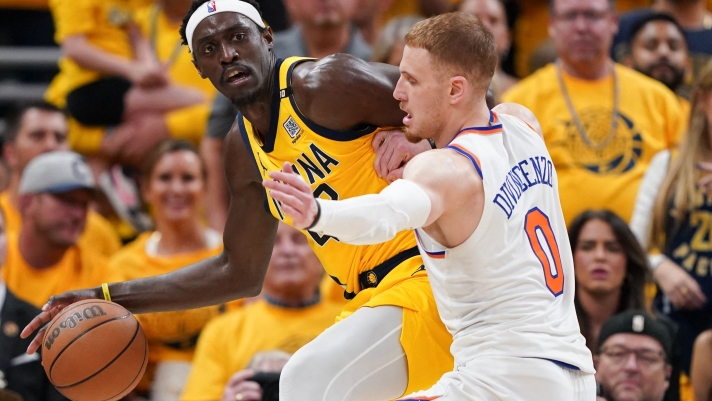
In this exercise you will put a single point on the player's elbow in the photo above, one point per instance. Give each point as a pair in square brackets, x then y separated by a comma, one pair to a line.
[242, 278]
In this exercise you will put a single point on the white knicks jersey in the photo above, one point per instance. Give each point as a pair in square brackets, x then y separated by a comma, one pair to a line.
[508, 290]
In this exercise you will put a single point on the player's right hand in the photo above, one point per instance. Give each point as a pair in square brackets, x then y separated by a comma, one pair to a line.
[294, 193]
[51, 309]
[393, 151]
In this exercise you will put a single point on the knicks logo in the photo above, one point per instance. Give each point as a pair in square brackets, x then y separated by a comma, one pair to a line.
[599, 150]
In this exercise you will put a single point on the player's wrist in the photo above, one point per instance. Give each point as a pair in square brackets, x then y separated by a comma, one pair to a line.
[316, 217]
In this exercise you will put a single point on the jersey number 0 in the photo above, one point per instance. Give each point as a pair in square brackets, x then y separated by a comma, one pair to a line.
[538, 228]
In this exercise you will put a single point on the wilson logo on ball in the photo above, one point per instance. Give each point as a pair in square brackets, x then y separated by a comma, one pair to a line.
[72, 321]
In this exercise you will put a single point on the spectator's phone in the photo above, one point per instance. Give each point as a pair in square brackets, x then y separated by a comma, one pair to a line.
[269, 381]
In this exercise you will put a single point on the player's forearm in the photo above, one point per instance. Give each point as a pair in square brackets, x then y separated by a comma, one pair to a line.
[208, 282]
[372, 219]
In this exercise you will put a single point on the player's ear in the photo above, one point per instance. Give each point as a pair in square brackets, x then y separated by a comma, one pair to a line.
[195, 64]
[459, 87]
[268, 37]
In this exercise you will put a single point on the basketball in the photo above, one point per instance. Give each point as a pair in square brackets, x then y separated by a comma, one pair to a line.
[94, 350]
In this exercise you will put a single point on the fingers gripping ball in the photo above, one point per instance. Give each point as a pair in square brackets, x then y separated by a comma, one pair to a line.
[94, 350]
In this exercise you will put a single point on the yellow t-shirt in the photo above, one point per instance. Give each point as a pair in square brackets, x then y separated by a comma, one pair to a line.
[100, 21]
[99, 235]
[188, 123]
[602, 170]
[229, 342]
[531, 28]
[81, 267]
[172, 336]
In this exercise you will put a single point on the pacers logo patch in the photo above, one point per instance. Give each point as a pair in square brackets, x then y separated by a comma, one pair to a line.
[292, 128]
[211, 7]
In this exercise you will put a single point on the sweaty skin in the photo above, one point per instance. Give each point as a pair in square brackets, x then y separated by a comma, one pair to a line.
[339, 92]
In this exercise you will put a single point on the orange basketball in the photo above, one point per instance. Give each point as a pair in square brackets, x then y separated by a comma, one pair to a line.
[94, 350]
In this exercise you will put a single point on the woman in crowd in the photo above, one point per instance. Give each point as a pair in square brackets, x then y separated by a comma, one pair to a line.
[173, 185]
[610, 268]
[676, 200]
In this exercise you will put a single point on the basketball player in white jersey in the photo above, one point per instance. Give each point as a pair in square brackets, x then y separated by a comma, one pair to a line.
[486, 210]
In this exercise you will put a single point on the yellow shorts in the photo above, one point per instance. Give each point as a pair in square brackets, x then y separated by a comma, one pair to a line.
[424, 337]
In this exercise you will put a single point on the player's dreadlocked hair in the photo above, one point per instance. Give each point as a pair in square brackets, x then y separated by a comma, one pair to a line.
[197, 3]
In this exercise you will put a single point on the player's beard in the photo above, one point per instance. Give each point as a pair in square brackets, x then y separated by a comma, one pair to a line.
[246, 98]
[422, 131]
[412, 138]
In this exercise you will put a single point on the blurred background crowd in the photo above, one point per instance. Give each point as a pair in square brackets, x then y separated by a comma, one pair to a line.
[111, 170]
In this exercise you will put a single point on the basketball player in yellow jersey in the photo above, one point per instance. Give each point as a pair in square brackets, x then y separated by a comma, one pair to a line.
[320, 117]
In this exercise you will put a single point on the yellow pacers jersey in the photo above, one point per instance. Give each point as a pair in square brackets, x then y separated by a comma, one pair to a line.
[337, 165]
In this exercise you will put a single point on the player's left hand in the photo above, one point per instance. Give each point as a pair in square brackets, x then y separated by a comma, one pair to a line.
[295, 195]
[393, 151]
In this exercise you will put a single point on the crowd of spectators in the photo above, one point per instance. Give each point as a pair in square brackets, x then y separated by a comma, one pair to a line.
[116, 174]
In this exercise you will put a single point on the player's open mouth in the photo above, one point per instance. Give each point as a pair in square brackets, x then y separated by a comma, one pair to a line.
[237, 76]
[407, 119]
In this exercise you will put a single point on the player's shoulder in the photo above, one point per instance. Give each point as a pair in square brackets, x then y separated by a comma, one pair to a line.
[338, 71]
[444, 167]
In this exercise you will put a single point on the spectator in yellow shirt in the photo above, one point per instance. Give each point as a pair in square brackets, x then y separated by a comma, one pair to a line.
[109, 77]
[289, 315]
[174, 187]
[33, 129]
[602, 122]
[46, 257]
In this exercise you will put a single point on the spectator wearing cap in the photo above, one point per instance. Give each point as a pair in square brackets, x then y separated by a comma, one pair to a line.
[21, 375]
[658, 49]
[633, 358]
[33, 129]
[46, 257]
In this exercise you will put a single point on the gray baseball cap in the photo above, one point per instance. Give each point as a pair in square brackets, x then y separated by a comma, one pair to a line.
[56, 172]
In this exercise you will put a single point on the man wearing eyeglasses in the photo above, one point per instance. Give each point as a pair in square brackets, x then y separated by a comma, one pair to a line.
[602, 122]
[633, 358]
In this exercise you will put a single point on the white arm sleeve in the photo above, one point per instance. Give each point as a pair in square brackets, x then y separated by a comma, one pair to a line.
[645, 202]
[372, 219]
